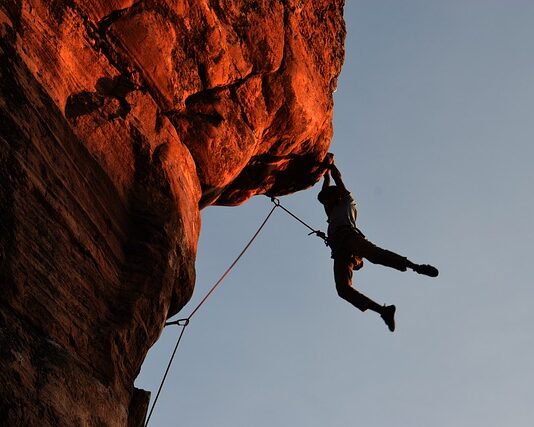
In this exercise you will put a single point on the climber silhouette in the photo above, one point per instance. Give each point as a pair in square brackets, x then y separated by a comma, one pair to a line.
[349, 246]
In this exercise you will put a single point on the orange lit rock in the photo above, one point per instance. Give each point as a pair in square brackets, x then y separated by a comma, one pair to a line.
[119, 121]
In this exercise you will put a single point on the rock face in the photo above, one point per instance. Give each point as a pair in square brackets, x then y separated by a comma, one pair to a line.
[119, 121]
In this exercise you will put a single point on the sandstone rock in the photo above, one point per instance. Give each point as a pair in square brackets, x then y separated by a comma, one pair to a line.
[119, 121]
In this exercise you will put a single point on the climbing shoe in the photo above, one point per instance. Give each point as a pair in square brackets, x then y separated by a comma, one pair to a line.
[426, 269]
[388, 316]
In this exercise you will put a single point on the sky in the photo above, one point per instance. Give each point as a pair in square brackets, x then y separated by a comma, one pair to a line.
[433, 126]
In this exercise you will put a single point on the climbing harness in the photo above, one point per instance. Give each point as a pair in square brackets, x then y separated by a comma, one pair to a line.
[185, 322]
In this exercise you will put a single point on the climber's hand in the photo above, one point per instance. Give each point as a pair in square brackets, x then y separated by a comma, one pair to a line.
[328, 160]
[321, 234]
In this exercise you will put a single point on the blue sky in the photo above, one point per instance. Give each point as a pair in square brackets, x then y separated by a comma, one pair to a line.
[433, 134]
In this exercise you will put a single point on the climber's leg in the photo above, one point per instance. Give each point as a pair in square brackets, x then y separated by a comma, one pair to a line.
[343, 278]
[359, 245]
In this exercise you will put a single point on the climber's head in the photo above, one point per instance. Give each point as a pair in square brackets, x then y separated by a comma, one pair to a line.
[330, 195]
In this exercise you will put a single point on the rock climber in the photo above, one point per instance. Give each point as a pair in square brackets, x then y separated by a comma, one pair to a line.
[349, 246]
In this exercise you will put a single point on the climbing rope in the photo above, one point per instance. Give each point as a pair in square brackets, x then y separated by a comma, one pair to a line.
[318, 233]
[185, 322]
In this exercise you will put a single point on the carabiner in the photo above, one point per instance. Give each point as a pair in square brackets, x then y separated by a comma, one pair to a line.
[179, 322]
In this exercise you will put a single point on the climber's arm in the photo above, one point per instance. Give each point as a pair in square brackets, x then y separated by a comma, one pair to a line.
[326, 179]
[336, 175]
[327, 163]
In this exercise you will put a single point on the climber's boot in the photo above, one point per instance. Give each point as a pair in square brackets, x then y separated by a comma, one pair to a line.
[426, 269]
[388, 316]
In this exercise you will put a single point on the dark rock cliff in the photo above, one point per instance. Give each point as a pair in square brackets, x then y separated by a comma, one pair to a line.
[119, 121]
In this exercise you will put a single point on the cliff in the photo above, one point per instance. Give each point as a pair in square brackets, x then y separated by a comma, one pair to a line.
[119, 122]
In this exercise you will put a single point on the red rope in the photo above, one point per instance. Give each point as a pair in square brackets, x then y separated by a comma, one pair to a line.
[184, 322]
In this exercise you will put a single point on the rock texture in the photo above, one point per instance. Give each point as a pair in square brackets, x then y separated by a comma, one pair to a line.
[119, 121]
